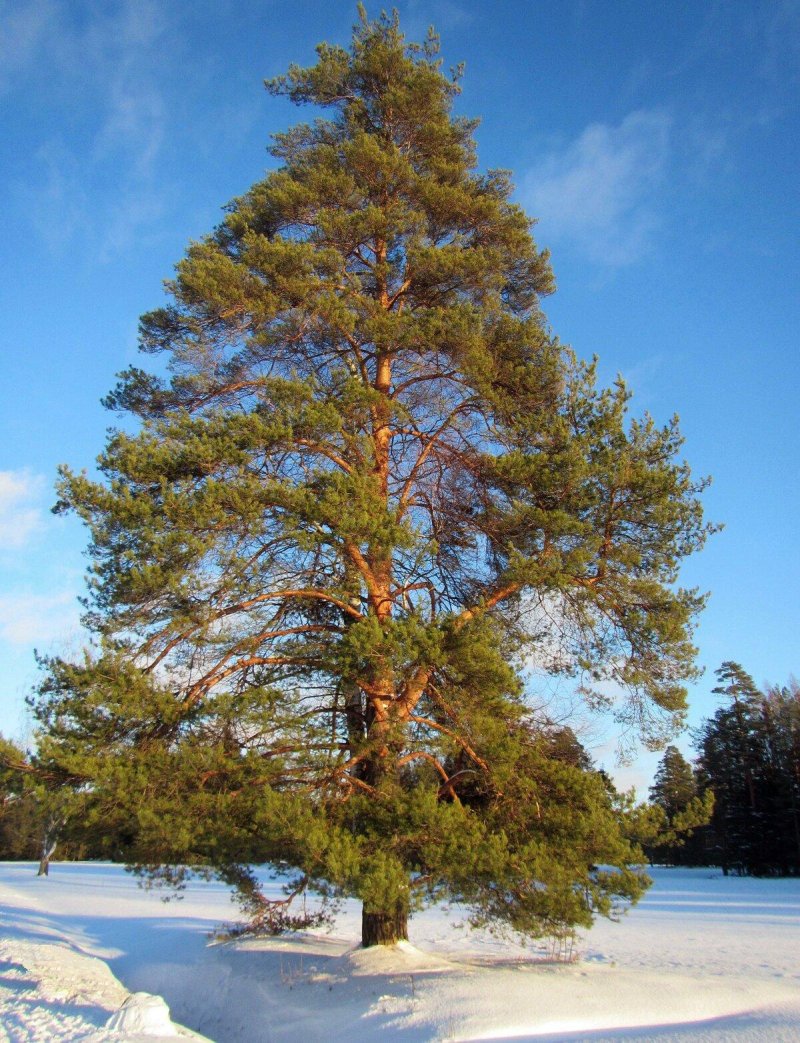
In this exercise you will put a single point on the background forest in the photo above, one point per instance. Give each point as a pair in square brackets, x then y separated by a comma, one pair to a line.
[748, 761]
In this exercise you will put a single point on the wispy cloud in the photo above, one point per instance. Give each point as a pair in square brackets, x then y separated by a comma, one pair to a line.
[600, 191]
[39, 581]
[782, 43]
[443, 15]
[28, 618]
[24, 26]
[126, 50]
[110, 60]
[20, 508]
[58, 203]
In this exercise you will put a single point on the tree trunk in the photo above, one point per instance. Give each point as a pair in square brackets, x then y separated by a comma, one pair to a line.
[383, 928]
[48, 850]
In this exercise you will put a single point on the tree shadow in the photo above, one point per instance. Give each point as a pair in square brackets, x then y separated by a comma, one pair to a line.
[750, 1027]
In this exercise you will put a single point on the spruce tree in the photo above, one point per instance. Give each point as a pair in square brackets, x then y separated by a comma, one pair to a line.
[370, 487]
[675, 793]
[782, 722]
[731, 764]
[674, 784]
[750, 759]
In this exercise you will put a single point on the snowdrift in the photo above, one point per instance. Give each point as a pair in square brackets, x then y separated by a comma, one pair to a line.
[87, 955]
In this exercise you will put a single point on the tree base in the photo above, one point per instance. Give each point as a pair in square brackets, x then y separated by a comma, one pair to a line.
[383, 928]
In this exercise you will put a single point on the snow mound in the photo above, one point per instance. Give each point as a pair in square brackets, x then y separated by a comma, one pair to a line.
[59, 974]
[53, 991]
[143, 1014]
[401, 958]
[703, 959]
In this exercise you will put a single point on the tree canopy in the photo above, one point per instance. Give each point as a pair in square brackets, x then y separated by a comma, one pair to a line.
[370, 488]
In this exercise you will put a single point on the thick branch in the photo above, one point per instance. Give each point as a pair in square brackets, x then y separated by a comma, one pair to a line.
[486, 605]
[465, 746]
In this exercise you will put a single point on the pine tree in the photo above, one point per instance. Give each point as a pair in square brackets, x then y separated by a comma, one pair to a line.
[39, 811]
[737, 685]
[730, 756]
[372, 483]
[17, 809]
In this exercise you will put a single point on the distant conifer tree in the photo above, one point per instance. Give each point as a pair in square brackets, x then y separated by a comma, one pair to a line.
[675, 792]
[674, 783]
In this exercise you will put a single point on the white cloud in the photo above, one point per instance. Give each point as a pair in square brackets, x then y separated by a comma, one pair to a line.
[600, 192]
[38, 619]
[20, 511]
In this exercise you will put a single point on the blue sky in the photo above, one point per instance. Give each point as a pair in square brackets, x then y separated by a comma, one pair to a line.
[658, 144]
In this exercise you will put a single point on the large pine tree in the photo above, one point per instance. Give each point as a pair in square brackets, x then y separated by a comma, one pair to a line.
[371, 487]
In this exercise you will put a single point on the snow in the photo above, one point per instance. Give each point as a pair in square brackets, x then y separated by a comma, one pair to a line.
[86, 955]
[143, 1014]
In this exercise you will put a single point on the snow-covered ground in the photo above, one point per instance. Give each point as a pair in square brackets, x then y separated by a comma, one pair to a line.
[703, 957]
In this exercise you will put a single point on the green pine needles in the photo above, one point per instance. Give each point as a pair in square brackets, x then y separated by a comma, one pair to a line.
[372, 486]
